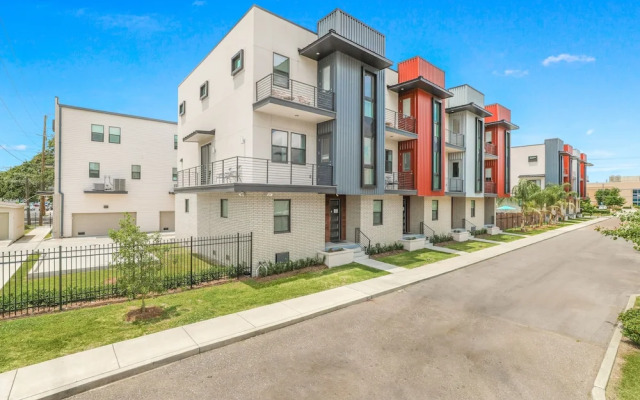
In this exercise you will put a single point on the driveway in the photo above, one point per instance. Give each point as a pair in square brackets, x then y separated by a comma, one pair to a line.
[530, 324]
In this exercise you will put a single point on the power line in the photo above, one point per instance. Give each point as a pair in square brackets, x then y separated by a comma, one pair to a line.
[12, 155]
[15, 120]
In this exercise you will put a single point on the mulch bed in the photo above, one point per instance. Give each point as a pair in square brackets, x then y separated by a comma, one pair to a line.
[387, 254]
[286, 274]
[148, 313]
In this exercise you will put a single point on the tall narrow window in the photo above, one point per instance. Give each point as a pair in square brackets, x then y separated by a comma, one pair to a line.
[174, 174]
[204, 90]
[136, 172]
[488, 137]
[97, 133]
[186, 205]
[281, 216]
[114, 134]
[455, 169]
[406, 106]
[434, 210]
[406, 161]
[473, 208]
[325, 149]
[325, 80]
[279, 146]
[182, 108]
[237, 62]
[487, 175]
[479, 155]
[436, 175]
[298, 148]
[369, 129]
[224, 208]
[507, 162]
[94, 170]
[388, 161]
[377, 212]
[281, 71]
[175, 142]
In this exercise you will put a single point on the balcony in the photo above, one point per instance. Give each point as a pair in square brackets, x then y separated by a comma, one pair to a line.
[256, 174]
[110, 186]
[287, 98]
[398, 126]
[454, 141]
[399, 181]
[490, 188]
[455, 185]
[490, 151]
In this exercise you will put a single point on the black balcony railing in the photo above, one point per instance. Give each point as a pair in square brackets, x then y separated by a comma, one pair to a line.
[399, 181]
[396, 120]
[255, 170]
[456, 185]
[490, 187]
[491, 148]
[281, 87]
[453, 138]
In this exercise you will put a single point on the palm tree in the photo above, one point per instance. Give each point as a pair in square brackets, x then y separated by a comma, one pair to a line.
[526, 193]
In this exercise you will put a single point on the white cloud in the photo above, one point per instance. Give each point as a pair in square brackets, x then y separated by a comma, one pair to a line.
[199, 3]
[590, 132]
[18, 147]
[514, 73]
[569, 58]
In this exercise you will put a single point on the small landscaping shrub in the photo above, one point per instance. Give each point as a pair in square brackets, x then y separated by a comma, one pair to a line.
[631, 324]
[378, 248]
[477, 232]
[335, 249]
[441, 238]
[273, 268]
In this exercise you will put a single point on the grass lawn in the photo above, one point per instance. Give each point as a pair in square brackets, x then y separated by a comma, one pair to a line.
[39, 338]
[536, 231]
[413, 259]
[468, 246]
[629, 385]
[500, 237]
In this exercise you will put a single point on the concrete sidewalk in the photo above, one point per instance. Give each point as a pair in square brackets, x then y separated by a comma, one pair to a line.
[82, 371]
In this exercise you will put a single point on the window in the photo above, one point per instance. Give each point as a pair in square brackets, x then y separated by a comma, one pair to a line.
[368, 129]
[455, 169]
[406, 106]
[204, 90]
[488, 137]
[174, 174]
[406, 161]
[434, 210]
[182, 108]
[114, 134]
[388, 161]
[136, 171]
[175, 142]
[224, 208]
[455, 125]
[279, 146]
[436, 141]
[281, 216]
[487, 174]
[280, 71]
[479, 155]
[94, 170]
[325, 81]
[377, 212]
[325, 149]
[237, 62]
[97, 133]
[473, 208]
[186, 205]
[533, 158]
[298, 148]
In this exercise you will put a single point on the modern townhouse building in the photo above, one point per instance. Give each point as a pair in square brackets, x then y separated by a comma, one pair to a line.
[308, 139]
[108, 164]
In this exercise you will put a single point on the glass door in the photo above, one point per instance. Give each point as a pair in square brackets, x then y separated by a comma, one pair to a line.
[334, 220]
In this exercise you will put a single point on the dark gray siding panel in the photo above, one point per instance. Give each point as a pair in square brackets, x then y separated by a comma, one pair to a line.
[353, 29]
[552, 172]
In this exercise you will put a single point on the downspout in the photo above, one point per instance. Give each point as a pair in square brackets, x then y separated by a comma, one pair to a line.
[60, 168]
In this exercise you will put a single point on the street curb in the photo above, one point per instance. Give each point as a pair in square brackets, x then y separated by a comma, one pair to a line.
[103, 379]
[602, 379]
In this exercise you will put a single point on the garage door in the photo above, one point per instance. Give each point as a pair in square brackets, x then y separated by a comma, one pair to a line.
[167, 221]
[4, 226]
[96, 224]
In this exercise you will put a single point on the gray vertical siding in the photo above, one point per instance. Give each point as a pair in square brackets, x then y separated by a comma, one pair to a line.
[552, 167]
[353, 29]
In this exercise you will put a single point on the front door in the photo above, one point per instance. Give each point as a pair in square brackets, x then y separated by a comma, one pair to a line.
[405, 214]
[334, 220]
[205, 164]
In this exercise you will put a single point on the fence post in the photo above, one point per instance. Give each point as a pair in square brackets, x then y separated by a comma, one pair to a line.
[238, 255]
[60, 276]
[251, 252]
[191, 263]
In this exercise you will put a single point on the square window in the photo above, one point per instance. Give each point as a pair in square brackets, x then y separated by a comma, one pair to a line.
[97, 133]
[377, 212]
[282, 257]
[136, 171]
[174, 174]
[204, 90]
[114, 134]
[182, 108]
[369, 176]
[237, 62]
[94, 170]
[224, 208]
[281, 216]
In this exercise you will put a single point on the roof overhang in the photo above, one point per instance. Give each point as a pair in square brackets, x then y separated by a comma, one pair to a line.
[332, 42]
[421, 83]
[472, 108]
[504, 123]
[398, 135]
[199, 136]
[532, 176]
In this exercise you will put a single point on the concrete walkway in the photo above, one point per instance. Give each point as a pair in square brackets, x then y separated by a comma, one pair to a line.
[92, 368]
[445, 250]
[485, 240]
[369, 262]
[513, 234]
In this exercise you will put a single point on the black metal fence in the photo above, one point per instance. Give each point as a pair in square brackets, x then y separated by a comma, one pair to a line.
[47, 219]
[278, 86]
[56, 278]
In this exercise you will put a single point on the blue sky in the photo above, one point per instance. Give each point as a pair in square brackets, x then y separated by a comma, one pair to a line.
[129, 56]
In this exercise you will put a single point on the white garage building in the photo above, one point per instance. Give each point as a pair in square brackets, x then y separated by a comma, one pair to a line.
[11, 221]
[108, 164]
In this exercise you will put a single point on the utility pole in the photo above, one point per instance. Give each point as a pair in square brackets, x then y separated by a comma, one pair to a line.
[26, 195]
[44, 141]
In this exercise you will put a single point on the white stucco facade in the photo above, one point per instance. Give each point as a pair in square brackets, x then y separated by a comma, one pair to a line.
[528, 162]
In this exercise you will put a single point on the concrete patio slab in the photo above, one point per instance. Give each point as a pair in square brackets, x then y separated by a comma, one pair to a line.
[268, 315]
[210, 331]
[150, 348]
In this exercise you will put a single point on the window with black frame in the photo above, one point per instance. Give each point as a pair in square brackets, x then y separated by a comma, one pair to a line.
[369, 129]
[298, 148]
[434, 210]
[436, 175]
[388, 161]
[280, 71]
[279, 145]
[281, 216]
[377, 212]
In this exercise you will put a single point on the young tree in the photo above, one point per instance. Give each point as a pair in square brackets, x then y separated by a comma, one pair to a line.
[139, 260]
[587, 207]
[610, 197]
[525, 193]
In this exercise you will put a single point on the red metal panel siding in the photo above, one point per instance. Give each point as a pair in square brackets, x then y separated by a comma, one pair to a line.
[416, 66]
[499, 112]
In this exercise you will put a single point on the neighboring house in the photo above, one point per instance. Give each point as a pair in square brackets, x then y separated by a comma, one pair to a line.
[108, 164]
[309, 138]
[629, 188]
[11, 221]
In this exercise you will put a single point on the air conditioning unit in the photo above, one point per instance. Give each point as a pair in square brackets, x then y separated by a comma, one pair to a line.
[119, 185]
[98, 187]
